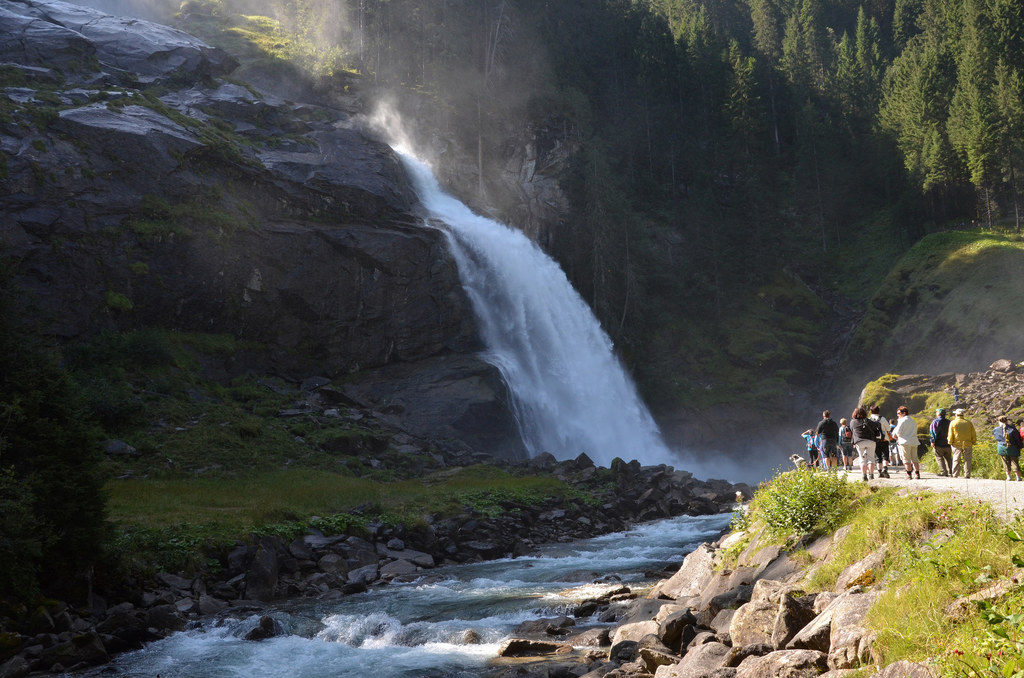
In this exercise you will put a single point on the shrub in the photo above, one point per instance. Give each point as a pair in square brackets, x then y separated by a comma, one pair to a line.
[801, 502]
[51, 455]
[118, 302]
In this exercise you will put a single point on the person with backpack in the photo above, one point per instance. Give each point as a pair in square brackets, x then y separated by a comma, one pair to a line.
[865, 431]
[1008, 445]
[811, 447]
[846, 444]
[881, 441]
[938, 431]
[828, 439]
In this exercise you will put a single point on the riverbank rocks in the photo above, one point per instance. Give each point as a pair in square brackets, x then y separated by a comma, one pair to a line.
[250, 575]
[737, 622]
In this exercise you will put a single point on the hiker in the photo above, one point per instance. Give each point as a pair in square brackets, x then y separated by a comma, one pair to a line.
[865, 431]
[846, 444]
[881, 442]
[962, 437]
[1008, 445]
[938, 431]
[811, 447]
[905, 433]
[828, 440]
[895, 457]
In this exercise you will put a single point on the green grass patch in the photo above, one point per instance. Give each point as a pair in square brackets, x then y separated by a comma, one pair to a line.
[175, 521]
[243, 504]
[117, 301]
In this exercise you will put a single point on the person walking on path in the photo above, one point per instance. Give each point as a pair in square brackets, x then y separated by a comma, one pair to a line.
[811, 447]
[939, 434]
[962, 437]
[905, 434]
[881, 442]
[828, 439]
[846, 444]
[1008, 445]
[865, 431]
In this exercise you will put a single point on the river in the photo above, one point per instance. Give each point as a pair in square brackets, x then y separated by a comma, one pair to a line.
[448, 623]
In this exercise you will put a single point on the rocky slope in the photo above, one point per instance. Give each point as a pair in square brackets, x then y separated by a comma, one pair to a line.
[140, 186]
[984, 395]
[724, 617]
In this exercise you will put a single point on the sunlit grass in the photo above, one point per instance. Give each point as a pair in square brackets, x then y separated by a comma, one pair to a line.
[939, 548]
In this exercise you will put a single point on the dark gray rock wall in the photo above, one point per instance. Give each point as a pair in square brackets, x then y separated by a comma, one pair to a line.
[138, 188]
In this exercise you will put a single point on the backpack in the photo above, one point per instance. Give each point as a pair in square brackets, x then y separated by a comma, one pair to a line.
[847, 434]
[1013, 438]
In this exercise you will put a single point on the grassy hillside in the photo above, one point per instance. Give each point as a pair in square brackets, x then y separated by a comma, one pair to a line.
[951, 303]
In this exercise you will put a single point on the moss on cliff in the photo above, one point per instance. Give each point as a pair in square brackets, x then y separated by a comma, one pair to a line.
[947, 304]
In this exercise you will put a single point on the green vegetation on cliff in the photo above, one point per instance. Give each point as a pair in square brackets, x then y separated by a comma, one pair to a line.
[716, 151]
[947, 303]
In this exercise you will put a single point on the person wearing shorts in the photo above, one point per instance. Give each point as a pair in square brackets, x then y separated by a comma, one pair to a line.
[905, 433]
[828, 435]
[864, 433]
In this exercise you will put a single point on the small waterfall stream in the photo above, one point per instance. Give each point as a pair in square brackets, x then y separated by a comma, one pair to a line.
[571, 393]
[448, 624]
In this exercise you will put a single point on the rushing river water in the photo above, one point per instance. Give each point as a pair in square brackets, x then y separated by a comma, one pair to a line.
[450, 623]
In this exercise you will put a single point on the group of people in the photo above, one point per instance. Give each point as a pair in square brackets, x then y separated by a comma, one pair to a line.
[868, 441]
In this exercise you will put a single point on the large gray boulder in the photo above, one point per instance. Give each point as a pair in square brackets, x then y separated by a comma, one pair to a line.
[754, 623]
[851, 643]
[693, 575]
[701, 659]
[140, 49]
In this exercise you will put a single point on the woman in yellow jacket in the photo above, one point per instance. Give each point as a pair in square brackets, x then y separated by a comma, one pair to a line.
[961, 438]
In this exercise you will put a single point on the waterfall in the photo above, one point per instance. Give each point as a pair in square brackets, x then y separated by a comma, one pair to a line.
[570, 392]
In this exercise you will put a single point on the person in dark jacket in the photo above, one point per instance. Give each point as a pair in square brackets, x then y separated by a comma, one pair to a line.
[882, 441]
[938, 431]
[1008, 445]
[865, 431]
[828, 439]
[846, 444]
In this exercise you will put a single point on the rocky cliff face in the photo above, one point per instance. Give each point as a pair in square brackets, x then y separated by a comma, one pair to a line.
[141, 186]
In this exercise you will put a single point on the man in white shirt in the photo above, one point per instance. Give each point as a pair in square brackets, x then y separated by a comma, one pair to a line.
[905, 434]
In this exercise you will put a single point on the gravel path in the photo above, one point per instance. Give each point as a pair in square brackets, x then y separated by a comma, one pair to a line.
[1006, 496]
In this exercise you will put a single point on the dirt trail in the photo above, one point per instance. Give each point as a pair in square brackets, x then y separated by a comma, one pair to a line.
[1006, 496]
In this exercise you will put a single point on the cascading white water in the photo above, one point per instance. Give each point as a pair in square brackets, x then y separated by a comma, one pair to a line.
[570, 391]
[449, 623]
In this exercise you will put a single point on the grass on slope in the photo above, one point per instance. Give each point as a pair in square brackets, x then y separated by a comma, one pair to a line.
[242, 504]
[214, 463]
[940, 548]
[293, 37]
[948, 298]
[168, 524]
